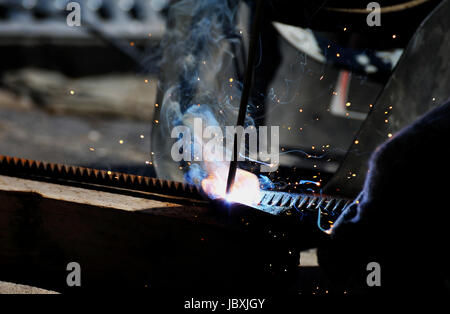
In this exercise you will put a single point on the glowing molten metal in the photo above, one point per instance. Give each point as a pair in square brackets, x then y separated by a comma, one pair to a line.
[245, 189]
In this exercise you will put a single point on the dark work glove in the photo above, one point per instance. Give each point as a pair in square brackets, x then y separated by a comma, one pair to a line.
[400, 219]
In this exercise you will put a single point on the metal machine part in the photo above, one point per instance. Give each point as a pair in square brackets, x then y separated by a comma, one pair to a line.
[279, 202]
[96, 179]
[271, 202]
[38, 19]
[269, 235]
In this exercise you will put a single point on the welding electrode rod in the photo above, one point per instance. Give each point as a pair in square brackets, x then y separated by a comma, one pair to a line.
[247, 84]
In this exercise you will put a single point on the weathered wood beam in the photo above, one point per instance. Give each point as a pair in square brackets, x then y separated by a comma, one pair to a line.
[124, 241]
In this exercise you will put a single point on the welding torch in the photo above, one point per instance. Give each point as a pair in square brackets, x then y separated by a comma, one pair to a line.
[247, 84]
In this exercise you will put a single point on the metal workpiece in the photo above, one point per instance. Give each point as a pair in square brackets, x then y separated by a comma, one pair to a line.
[261, 242]
[294, 221]
[271, 202]
[70, 175]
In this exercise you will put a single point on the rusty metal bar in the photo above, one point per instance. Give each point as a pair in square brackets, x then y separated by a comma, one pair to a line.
[76, 175]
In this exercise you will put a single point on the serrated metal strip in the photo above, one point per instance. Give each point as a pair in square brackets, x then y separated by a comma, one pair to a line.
[32, 169]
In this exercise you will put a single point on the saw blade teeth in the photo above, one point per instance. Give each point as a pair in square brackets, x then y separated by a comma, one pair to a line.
[271, 200]
[276, 199]
[60, 172]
